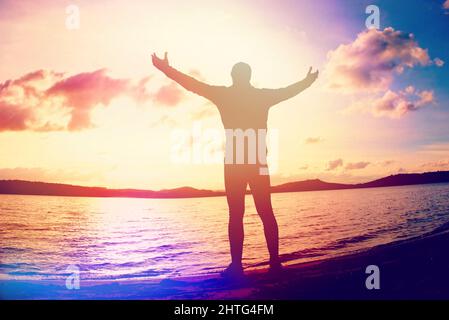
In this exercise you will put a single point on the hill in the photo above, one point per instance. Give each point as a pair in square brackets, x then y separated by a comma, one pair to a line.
[57, 189]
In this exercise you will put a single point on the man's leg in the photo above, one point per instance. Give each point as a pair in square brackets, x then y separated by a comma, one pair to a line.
[235, 185]
[260, 188]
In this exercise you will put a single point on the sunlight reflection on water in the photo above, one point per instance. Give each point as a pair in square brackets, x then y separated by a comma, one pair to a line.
[121, 238]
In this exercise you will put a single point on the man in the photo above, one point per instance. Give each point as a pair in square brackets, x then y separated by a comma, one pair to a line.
[243, 107]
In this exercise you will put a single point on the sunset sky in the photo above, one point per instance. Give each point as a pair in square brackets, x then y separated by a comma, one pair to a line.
[85, 105]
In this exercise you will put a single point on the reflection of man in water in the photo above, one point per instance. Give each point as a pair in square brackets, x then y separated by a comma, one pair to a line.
[243, 107]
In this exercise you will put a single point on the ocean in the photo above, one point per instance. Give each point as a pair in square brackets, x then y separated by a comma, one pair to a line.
[45, 237]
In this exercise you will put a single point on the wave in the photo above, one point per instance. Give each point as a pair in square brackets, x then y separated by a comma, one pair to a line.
[440, 229]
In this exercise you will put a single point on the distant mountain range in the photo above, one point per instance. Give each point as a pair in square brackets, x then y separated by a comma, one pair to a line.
[57, 189]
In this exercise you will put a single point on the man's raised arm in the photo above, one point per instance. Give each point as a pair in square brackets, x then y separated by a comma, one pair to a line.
[183, 79]
[274, 96]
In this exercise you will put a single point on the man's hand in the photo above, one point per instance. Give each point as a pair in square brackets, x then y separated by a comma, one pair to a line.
[159, 63]
[311, 76]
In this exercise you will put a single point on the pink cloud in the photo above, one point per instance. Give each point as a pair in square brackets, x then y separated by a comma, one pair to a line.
[35, 100]
[357, 165]
[368, 65]
[335, 164]
[87, 89]
[446, 4]
[370, 62]
[169, 95]
[332, 165]
[393, 104]
[14, 118]
[397, 104]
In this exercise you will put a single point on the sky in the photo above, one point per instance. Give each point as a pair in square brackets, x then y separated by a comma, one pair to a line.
[81, 103]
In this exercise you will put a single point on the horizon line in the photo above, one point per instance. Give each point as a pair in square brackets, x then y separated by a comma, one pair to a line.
[292, 186]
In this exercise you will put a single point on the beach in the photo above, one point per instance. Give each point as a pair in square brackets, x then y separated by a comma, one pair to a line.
[153, 249]
[412, 269]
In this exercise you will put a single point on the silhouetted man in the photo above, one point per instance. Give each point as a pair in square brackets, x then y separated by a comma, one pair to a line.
[243, 107]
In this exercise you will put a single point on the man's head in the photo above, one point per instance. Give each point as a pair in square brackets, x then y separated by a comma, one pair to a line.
[241, 73]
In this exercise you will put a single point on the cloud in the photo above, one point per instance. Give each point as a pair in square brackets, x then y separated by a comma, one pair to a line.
[48, 175]
[367, 67]
[357, 165]
[32, 174]
[46, 100]
[446, 5]
[169, 95]
[14, 118]
[370, 62]
[338, 163]
[334, 164]
[84, 91]
[438, 62]
[392, 104]
[397, 104]
[387, 163]
[436, 165]
[312, 140]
